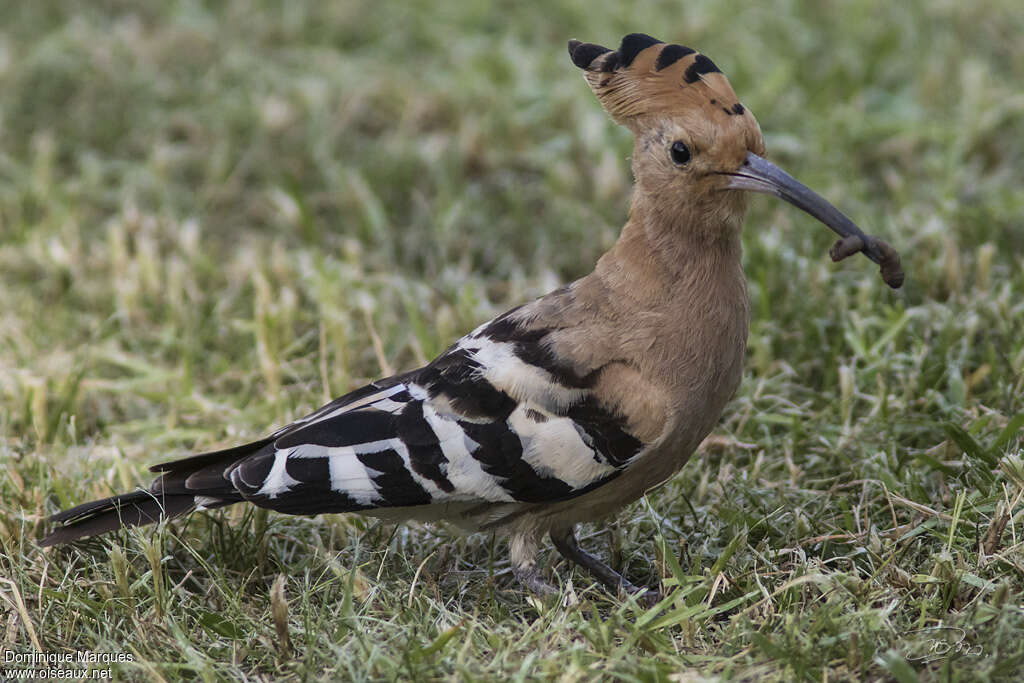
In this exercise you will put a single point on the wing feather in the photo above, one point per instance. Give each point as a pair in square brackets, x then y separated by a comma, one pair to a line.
[497, 418]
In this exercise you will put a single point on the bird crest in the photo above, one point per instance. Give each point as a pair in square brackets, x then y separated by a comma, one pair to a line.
[646, 76]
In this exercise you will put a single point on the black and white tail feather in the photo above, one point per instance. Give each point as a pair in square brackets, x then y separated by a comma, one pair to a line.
[496, 422]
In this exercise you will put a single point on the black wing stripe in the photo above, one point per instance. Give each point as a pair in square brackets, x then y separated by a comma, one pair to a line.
[250, 474]
[391, 386]
[347, 429]
[529, 346]
[457, 376]
[541, 356]
[500, 454]
[315, 471]
[425, 454]
[394, 482]
[605, 431]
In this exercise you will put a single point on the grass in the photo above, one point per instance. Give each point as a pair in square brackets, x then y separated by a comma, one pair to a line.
[215, 216]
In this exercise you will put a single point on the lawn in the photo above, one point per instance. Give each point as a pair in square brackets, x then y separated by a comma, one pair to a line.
[214, 216]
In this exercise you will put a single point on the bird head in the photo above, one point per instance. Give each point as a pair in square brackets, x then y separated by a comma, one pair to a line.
[698, 151]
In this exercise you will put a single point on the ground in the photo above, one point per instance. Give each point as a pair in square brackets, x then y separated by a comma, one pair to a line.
[216, 216]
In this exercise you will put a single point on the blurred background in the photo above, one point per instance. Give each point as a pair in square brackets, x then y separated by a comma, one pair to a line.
[168, 169]
[216, 215]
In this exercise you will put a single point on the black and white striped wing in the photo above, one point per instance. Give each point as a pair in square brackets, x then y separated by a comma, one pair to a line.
[493, 419]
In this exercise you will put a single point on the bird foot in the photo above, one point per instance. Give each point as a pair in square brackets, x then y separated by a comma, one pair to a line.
[566, 543]
[532, 580]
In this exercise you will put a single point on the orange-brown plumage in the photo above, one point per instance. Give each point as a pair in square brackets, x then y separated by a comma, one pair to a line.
[658, 78]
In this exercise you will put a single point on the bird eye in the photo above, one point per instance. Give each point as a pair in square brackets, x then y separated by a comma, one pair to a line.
[680, 153]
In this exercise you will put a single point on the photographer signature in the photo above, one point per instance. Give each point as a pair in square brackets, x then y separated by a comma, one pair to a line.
[939, 642]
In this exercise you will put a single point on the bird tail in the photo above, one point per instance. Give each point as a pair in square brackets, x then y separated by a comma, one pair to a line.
[181, 487]
[127, 509]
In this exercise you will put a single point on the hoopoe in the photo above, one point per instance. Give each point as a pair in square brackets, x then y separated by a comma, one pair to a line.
[564, 409]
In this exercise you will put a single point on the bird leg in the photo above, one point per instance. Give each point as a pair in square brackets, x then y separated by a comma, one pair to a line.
[523, 550]
[566, 543]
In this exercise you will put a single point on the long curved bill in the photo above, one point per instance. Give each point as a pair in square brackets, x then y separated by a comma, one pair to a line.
[760, 175]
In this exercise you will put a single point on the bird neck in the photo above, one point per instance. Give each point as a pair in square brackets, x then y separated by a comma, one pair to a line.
[676, 295]
[674, 254]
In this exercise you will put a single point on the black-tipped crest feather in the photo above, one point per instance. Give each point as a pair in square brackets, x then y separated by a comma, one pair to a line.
[583, 54]
[701, 65]
[646, 76]
[634, 44]
[671, 54]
